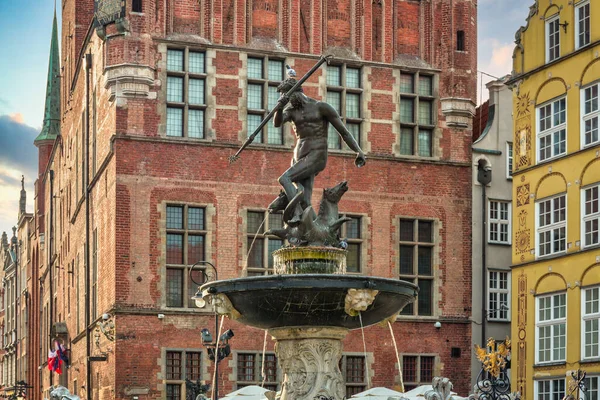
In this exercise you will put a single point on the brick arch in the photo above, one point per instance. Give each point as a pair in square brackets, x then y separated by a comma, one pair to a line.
[587, 67]
[546, 276]
[551, 80]
[584, 170]
[550, 7]
[595, 266]
[550, 175]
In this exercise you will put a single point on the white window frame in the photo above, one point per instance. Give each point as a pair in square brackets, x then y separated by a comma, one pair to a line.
[578, 6]
[593, 216]
[552, 322]
[589, 116]
[552, 130]
[551, 227]
[498, 222]
[591, 388]
[594, 315]
[495, 314]
[549, 21]
[509, 160]
[554, 390]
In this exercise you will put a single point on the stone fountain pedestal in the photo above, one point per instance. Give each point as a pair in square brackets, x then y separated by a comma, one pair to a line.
[309, 359]
[308, 307]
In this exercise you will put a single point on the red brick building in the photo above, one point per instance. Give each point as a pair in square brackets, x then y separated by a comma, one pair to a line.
[158, 96]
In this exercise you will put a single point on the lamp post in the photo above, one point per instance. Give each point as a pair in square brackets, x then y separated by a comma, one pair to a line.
[219, 349]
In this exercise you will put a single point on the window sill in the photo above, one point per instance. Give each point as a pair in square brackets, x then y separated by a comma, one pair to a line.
[590, 361]
[551, 256]
[550, 364]
[500, 244]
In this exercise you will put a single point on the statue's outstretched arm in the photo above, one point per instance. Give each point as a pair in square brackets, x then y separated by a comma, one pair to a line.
[334, 119]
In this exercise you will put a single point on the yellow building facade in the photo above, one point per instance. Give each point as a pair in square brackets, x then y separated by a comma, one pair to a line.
[556, 192]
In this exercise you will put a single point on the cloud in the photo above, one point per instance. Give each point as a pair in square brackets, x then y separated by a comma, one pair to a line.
[497, 64]
[18, 156]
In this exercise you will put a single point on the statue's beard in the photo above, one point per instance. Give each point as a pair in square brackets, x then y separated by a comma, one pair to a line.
[296, 101]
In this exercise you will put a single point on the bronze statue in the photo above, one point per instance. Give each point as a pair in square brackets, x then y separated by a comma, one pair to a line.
[310, 119]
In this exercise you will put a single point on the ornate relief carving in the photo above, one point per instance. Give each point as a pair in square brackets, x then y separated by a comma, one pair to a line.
[442, 389]
[523, 195]
[359, 300]
[523, 132]
[223, 306]
[311, 368]
[522, 324]
[522, 242]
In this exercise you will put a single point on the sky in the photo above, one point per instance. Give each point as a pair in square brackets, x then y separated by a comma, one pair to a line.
[25, 28]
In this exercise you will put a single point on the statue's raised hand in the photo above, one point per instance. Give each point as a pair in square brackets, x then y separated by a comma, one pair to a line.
[360, 159]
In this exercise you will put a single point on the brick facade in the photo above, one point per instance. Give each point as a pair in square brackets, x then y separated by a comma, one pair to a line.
[139, 170]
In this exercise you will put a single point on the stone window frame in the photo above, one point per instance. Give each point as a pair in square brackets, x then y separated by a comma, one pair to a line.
[418, 356]
[360, 240]
[594, 315]
[204, 375]
[209, 213]
[550, 131]
[593, 115]
[257, 370]
[415, 124]
[553, 393]
[353, 387]
[551, 227]
[590, 217]
[495, 311]
[435, 245]
[344, 90]
[577, 18]
[185, 105]
[552, 322]
[552, 27]
[498, 221]
[266, 256]
[266, 84]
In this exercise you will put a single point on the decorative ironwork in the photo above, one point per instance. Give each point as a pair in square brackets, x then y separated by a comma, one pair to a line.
[494, 356]
[576, 385]
[492, 381]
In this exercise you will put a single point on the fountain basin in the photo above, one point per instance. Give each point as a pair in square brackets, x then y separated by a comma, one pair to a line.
[309, 300]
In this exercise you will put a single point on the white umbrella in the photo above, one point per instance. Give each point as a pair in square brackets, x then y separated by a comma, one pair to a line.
[378, 393]
[247, 393]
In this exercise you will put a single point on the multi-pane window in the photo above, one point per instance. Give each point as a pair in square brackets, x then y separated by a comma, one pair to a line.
[186, 87]
[186, 234]
[499, 222]
[590, 317]
[582, 24]
[260, 246]
[551, 226]
[552, 389]
[264, 75]
[590, 114]
[551, 328]
[179, 366]
[552, 38]
[552, 129]
[509, 160]
[252, 371]
[591, 216]
[417, 114]
[591, 383]
[498, 296]
[417, 370]
[354, 372]
[344, 94]
[352, 231]
[416, 262]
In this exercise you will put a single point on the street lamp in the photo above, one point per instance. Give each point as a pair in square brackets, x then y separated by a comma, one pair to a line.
[219, 349]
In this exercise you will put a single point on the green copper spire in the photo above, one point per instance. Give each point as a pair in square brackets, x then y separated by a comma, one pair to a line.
[51, 128]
